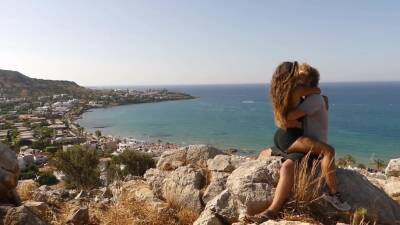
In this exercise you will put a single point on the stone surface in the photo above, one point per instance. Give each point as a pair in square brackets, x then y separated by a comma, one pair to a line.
[284, 222]
[9, 173]
[39, 208]
[249, 190]
[79, 216]
[253, 184]
[393, 168]
[392, 187]
[141, 191]
[265, 154]
[193, 154]
[220, 163]
[155, 178]
[360, 193]
[22, 216]
[199, 154]
[182, 187]
[216, 186]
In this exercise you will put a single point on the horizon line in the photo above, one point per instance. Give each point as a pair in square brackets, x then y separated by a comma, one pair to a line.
[224, 84]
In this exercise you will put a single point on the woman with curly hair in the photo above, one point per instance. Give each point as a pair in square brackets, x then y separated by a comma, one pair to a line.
[300, 114]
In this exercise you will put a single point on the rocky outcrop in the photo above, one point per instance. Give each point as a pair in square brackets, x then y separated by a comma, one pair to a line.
[216, 186]
[249, 190]
[193, 154]
[392, 187]
[9, 173]
[182, 187]
[253, 184]
[79, 216]
[21, 215]
[393, 168]
[360, 193]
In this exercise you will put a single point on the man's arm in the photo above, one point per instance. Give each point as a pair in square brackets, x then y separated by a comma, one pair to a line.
[310, 105]
[295, 114]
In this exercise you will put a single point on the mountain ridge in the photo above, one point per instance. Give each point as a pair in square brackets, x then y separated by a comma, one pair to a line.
[16, 84]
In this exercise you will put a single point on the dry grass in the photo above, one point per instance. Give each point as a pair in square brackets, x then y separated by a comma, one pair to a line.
[307, 187]
[25, 189]
[308, 182]
[126, 210]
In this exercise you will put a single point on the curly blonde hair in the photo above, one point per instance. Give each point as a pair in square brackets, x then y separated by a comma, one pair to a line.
[287, 77]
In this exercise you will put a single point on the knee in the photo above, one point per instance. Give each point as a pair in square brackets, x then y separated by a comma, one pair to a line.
[287, 167]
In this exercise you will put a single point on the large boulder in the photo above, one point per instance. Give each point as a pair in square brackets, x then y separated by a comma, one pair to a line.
[216, 186]
[19, 216]
[182, 188]
[249, 190]
[155, 178]
[220, 163]
[140, 191]
[189, 155]
[359, 192]
[253, 184]
[9, 173]
[393, 168]
[392, 187]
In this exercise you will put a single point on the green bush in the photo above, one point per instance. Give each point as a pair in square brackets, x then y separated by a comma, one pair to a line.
[130, 162]
[29, 172]
[80, 165]
[47, 178]
[51, 149]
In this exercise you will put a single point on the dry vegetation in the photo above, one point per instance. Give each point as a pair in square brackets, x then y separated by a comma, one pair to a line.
[25, 189]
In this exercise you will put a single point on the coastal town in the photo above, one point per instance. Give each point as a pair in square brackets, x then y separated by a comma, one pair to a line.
[37, 127]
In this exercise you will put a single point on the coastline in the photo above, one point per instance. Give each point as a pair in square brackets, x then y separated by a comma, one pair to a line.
[157, 140]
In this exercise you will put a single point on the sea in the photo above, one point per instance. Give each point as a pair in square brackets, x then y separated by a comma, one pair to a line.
[364, 118]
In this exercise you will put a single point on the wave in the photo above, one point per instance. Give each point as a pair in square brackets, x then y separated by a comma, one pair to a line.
[248, 102]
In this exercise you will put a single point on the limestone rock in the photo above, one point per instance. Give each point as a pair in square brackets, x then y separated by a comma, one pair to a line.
[208, 218]
[22, 216]
[9, 173]
[199, 154]
[216, 186]
[172, 159]
[360, 193]
[79, 216]
[192, 154]
[284, 222]
[392, 187]
[39, 208]
[224, 206]
[253, 184]
[393, 168]
[221, 163]
[155, 178]
[182, 188]
[265, 154]
[141, 191]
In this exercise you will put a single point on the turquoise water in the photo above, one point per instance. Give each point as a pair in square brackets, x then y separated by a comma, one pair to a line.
[364, 118]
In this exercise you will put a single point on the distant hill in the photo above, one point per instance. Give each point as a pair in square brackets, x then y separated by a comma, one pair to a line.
[16, 84]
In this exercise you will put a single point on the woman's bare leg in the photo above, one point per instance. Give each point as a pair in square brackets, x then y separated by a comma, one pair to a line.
[284, 187]
[306, 144]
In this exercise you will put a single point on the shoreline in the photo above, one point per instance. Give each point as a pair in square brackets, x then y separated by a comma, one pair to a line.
[239, 151]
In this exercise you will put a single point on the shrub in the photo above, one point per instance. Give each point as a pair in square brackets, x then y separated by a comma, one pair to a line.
[51, 149]
[29, 172]
[80, 165]
[47, 178]
[130, 162]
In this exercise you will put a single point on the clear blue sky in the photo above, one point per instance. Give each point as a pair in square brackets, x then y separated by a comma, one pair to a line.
[197, 42]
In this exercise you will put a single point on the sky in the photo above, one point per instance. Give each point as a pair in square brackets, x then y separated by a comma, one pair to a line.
[164, 42]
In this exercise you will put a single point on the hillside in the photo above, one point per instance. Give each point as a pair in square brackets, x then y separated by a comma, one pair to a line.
[16, 84]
